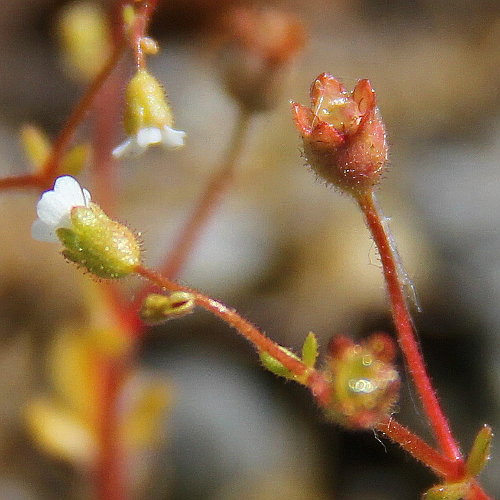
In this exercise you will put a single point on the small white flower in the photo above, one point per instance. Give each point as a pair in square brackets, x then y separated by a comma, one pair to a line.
[148, 136]
[54, 208]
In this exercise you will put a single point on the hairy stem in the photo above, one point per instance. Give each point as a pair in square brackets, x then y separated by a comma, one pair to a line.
[233, 319]
[419, 449]
[406, 336]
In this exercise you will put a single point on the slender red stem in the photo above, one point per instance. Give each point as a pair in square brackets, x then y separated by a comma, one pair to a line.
[232, 318]
[406, 336]
[207, 203]
[419, 449]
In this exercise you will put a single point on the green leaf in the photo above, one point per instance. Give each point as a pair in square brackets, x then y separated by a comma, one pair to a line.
[480, 452]
[310, 350]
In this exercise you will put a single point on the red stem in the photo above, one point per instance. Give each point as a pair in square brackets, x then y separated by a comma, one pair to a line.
[419, 449]
[232, 318]
[406, 336]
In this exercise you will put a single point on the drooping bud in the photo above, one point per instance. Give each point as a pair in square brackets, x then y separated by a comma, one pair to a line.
[157, 307]
[259, 45]
[148, 119]
[343, 134]
[363, 384]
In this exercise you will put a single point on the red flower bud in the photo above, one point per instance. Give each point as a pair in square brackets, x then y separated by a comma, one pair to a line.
[344, 137]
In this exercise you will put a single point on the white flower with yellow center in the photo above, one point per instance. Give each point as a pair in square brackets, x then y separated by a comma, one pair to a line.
[54, 208]
[148, 118]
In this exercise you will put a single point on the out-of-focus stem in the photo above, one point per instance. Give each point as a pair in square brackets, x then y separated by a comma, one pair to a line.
[232, 318]
[49, 170]
[207, 203]
[110, 473]
[406, 336]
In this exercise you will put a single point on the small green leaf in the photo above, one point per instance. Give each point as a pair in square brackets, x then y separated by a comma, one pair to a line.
[310, 350]
[274, 366]
[480, 452]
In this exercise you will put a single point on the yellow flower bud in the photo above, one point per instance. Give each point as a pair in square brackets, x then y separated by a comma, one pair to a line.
[85, 38]
[36, 145]
[157, 307]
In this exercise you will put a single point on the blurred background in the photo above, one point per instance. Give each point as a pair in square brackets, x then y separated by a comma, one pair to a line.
[288, 253]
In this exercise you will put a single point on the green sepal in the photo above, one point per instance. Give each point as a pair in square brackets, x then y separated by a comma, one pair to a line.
[100, 245]
[480, 451]
[310, 350]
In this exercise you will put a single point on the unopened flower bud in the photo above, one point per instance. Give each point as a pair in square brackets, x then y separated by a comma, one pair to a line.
[91, 239]
[157, 307]
[363, 387]
[259, 45]
[343, 134]
[149, 45]
[36, 145]
[148, 119]
[85, 38]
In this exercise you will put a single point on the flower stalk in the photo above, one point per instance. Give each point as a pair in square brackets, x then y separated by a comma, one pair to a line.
[231, 317]
[406, 336]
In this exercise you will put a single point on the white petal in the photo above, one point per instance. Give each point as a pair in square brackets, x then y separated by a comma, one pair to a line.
[51, 209]
[128, 147]
[70, 191]
[148, 135]
[171, 138]
[55, 206]
[43, 232]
